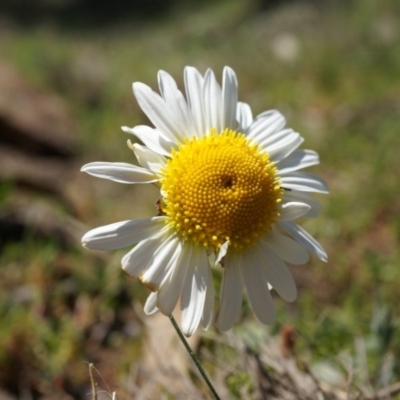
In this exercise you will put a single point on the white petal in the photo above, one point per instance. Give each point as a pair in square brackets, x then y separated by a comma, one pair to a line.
[244, 116]
[305, 239]
[148, 159]
[304, 182]
[230, 98]
[162, 261]
[194, 95]
[282, 148]
[150, 307]
[176, 102]
[134, 262]
[303, 197]
[257, 288]
[122, 234]
[293, 210]
[194, 291]
[276, 137]
[212, 102]
[297, 160]
[267, 114]
[158, 111]
[265, 125]
[286, 248]
[152, 138]
[231, 294]
[208, 312]
[222, 252]
[276, 272]
[119, 172]
[171, 288]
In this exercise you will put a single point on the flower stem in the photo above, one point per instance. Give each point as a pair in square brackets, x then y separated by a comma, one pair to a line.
[194, 358]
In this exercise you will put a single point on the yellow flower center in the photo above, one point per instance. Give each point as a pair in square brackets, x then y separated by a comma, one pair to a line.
[221, 188]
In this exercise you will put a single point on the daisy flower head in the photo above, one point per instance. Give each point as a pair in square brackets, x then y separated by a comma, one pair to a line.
[231, 188]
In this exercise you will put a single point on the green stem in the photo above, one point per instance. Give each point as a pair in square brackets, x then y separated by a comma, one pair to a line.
[194, 358]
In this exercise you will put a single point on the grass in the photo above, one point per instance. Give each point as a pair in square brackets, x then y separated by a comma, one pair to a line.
[337, 85]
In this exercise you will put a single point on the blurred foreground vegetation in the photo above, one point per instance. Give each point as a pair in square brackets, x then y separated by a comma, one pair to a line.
[332, 69]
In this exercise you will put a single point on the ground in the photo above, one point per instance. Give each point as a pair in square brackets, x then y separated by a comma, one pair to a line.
[330, 67]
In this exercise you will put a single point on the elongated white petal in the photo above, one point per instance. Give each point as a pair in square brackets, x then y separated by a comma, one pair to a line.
[304, 182]
[212, 102]
[208, 312]
[276, 272]
[303, 197]
[276, 137]
[162, 262]
[244, 116]
[297, 160]
[304, 238]
[122, 234]
[150, 307]
[282, 148]
[177, 103]
[194, 95]
[265, 125]
[257, 288]
[158, 112]
[148, 159]
[136, 260]
[229, 98]
[293, 210]
[152, 138]
[231, 293]
[171, 288]
[267, 113]
[194, 291]
[119, 172]
[286, 248]
[222, 252]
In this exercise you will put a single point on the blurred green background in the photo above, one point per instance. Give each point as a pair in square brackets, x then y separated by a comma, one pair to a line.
[66, 68]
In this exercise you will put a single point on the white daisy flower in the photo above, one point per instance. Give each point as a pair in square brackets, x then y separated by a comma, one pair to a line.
[231, 188]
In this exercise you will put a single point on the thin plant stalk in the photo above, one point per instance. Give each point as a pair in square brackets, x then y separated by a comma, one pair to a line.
[194, 358]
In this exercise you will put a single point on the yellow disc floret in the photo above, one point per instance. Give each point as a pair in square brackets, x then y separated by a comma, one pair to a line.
[219, 188]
